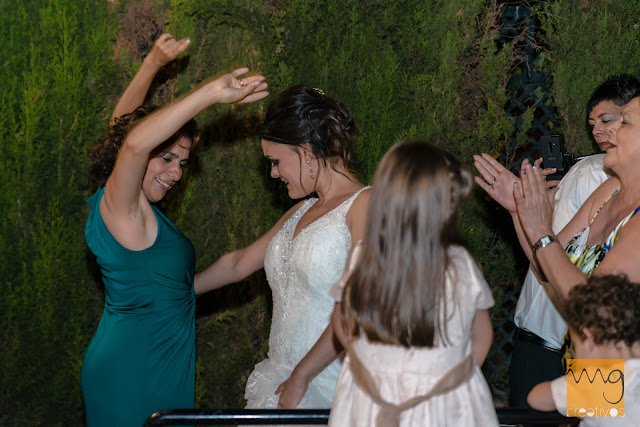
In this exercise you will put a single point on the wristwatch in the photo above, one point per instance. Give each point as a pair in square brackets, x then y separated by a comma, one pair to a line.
[544, 241]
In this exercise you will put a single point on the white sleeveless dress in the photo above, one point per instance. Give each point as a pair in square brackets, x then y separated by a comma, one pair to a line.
[300, 272]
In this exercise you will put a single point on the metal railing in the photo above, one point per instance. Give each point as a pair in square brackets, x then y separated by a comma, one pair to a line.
[179, 417]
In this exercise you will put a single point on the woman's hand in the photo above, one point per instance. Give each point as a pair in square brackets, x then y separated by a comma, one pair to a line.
[291, 391]
[532, 199]
[499, 181]
[496, 180]
[165, 50]
[231, 89]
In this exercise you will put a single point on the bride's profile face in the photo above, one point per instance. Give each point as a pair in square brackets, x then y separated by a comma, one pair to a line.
[286, 164]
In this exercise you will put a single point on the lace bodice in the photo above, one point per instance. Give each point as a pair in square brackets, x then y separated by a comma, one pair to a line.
[300, 272]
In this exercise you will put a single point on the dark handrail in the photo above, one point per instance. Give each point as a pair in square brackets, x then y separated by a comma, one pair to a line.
[175, 417]
[238, 417]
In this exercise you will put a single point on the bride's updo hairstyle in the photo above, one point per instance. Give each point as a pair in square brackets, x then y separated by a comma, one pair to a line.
[396, 294]
[302, 114]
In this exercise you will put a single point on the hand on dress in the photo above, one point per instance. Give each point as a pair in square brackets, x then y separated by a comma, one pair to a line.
[230, 88]
[291, 392]
[532, 199]
[166, 49]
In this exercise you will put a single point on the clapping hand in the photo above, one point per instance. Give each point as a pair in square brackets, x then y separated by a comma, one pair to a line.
[499, 181]
[531, 196]
[166, 49]
[496, 180]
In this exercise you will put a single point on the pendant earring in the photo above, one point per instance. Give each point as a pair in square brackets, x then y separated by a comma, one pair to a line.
[311, 172]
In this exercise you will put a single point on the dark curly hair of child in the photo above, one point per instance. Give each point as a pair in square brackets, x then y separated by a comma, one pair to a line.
[102, 156]
[608, 307]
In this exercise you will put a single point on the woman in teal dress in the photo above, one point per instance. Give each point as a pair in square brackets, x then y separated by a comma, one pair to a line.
[142, 356]
[602, 238]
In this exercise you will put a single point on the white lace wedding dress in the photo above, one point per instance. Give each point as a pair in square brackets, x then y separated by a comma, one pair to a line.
[300, 272]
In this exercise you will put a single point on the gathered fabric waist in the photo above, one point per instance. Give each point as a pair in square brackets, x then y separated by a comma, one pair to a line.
[389, 414]
[398, 359]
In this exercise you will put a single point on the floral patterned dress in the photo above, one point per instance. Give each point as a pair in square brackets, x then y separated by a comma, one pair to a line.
[588, 257]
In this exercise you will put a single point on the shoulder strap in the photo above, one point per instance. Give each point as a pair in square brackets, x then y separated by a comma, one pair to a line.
[602, 205]
[346, 205]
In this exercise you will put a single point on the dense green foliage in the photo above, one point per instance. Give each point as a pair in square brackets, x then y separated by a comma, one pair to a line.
[56, 75]
[405, 69]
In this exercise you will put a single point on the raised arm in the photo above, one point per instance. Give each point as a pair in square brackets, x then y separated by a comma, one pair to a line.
[164, 50]
[124, 207]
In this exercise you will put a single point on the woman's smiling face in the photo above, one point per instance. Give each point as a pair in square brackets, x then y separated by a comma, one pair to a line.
[164, 170]
[286, 164]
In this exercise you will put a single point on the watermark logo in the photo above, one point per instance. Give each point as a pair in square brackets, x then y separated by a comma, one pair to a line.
[595, 388]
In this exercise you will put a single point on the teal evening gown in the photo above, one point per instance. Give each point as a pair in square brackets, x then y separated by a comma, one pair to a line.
[142, 356]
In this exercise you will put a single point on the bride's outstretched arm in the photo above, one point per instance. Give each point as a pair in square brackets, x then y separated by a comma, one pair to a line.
[235, 266]
[323, 352]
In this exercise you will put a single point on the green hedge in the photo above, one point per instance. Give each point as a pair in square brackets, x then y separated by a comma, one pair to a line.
[56, 77]
[405, 69]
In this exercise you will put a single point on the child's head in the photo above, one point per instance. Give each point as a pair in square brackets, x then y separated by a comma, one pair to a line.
[606, 310]
[412, 219]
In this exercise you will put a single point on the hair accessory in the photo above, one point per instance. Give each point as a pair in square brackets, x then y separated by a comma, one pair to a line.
[319, 91]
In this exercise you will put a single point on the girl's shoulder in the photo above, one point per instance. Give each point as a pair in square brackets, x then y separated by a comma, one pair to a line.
[460, 254]
[463, 266]
[466, 278]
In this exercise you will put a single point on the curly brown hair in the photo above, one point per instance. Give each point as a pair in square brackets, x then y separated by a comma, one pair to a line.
[103, 155]
[608, 306]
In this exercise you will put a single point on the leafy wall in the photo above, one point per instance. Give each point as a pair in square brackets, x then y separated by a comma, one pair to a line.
[405, 69]
[56, 78]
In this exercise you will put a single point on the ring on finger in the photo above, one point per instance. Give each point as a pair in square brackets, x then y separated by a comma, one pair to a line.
[492, 182]
[241, 82]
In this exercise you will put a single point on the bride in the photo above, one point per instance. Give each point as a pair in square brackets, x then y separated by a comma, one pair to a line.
[307, 138]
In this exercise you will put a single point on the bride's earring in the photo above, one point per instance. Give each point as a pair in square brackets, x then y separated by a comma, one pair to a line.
[312, 174]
